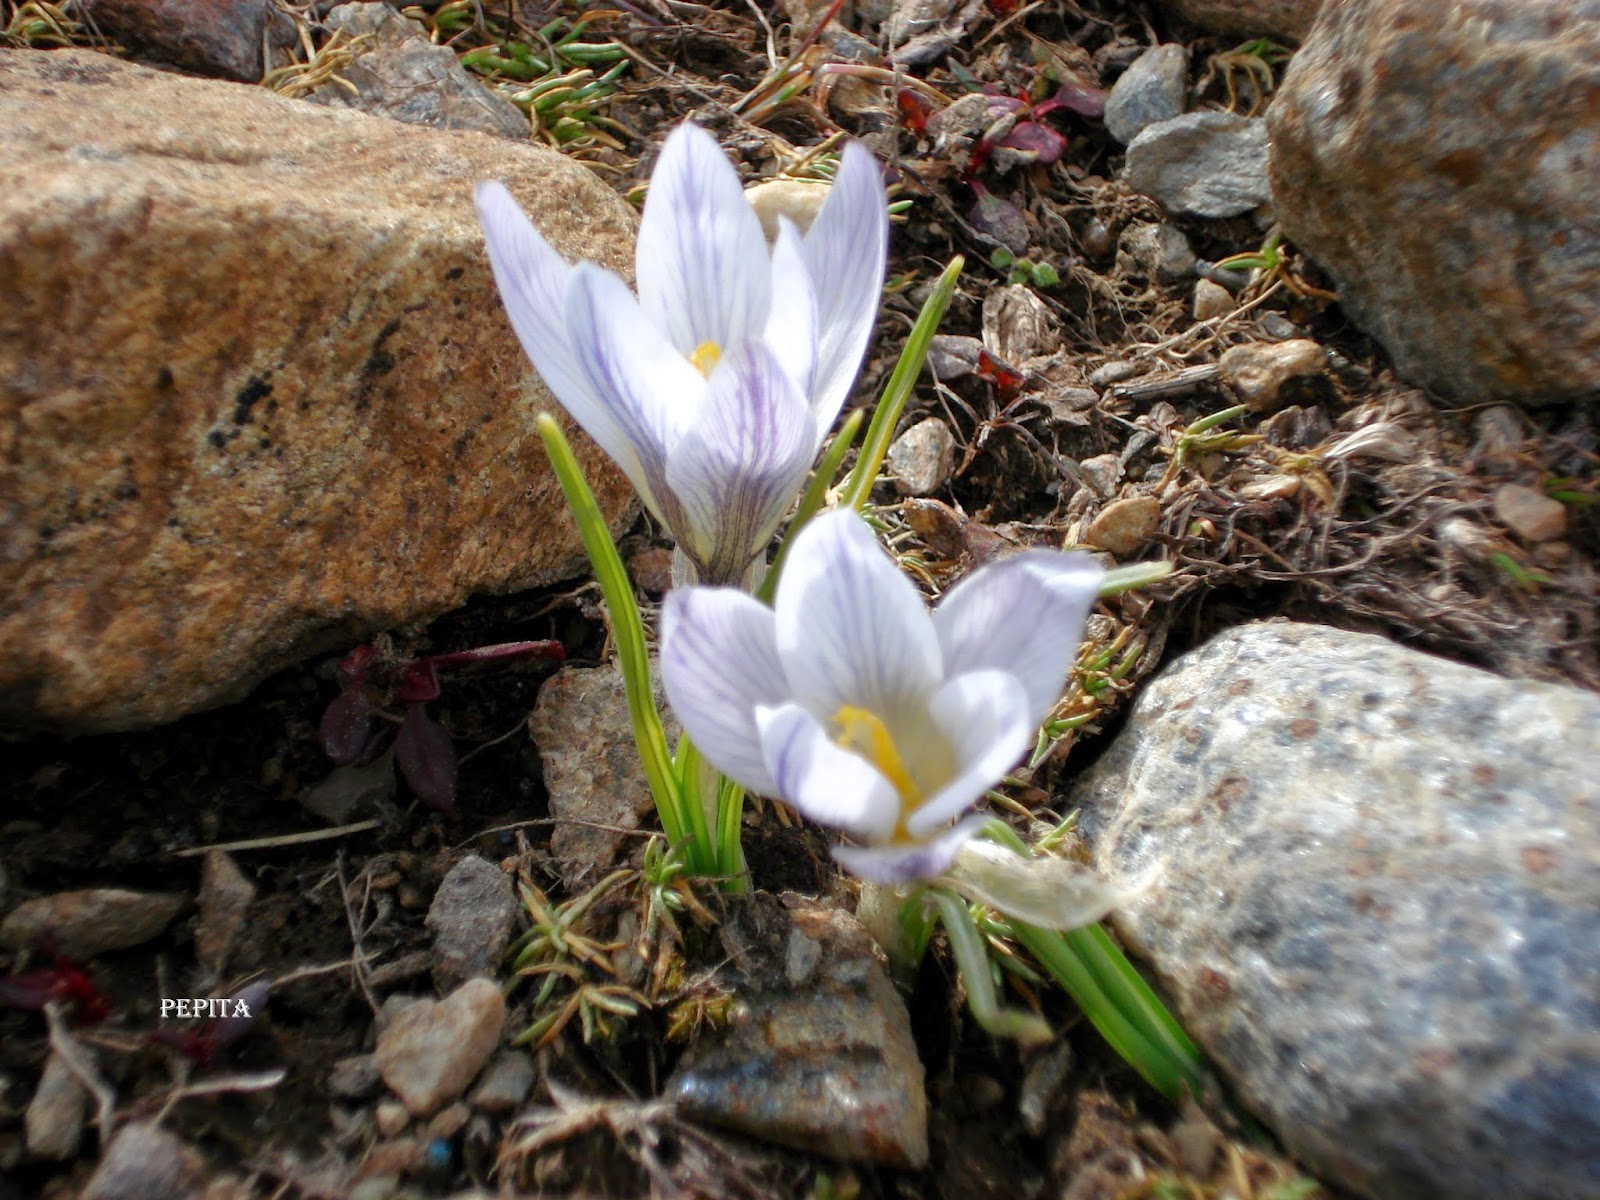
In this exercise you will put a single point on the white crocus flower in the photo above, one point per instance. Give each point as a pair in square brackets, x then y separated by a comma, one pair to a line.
[714, 389]
[852, 703]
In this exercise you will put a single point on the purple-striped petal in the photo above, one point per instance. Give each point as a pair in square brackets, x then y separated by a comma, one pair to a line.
[791, 332]
[852, 629]
[644, 391]
[846, 249]
[984, 718]
[532, 279]
[703, 269]
[719, 663]
[896, 864]
[736, 470]
[1022, 615]
[825, 782]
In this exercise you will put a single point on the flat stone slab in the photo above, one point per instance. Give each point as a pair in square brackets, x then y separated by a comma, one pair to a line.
[1377, 903]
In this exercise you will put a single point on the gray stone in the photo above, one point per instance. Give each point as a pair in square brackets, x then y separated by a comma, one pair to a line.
[1439, 160]
[1286, 19]
[145, 1162]
[400, 74]
[506, 1083]
[922, 457]
[471, 919]
[55, 1115]
[1202, 164]
[433, 1050]
[87, 923]
[303, 419]
[355, 1078]
[1158, 251]
[825, 1064]
[221, 38]
[591, 766]
[1151, 89]
[1376, 880]
[1101, 474]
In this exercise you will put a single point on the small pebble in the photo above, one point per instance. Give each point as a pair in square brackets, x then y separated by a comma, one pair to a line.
[224, 902]
[1150, 90]
[55, 1114]
[447, 1122]
[1115, 372]
[1101, 474]
[431, 1051]
[1098, 238]
[1211, 300]
[471, 919]
[354, 1078]
[145, 1162]
[1159, 251]
[800, 200]
[1257, 372]
[506, 1083]
[1531, 515]
[390, 1117]
[922, 457]
[88, 923]
[1124, 526]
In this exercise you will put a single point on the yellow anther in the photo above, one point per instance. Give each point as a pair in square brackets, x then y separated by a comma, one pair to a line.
[866, 734]
[705, 357]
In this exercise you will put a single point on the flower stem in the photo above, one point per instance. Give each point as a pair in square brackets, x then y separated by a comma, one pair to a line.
[897, 391]
[972, 960]
[627, 628]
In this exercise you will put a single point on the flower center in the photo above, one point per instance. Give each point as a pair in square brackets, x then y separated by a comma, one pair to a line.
[705, 357]
[864, 733]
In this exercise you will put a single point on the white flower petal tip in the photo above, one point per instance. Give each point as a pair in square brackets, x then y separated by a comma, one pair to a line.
[637, 374]
[920, 862]
[1051, 893]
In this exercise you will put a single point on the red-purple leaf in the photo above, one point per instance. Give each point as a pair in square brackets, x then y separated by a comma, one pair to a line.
[419, 682]
[1000, 219]
[347, 727]
[427, 759]
[1039, 142]
[353, 667]
[1075, 97]
[501, 652]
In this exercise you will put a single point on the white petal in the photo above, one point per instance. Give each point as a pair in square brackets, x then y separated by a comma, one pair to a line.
[826, 783]
[532, 279]
[703, 270]
[984, 718]
[1051, 893]
[852, 629]
[1022, 615]
[890, 865]
[791, 331]
[719, 663]
[736, 470]
[645, 391]
[846, 248]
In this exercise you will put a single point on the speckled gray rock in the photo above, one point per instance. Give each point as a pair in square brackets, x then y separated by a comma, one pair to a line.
[1202, 164]
[1150, 90]
[145, 1162]
[922, 457]
[1158, 251]
[470, 918]
[591, 767]
[1439, 159]
[1377, 906]
[400, 74]
[819, 1053]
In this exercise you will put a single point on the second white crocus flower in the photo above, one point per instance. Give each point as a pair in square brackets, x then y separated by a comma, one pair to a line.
[714, 389]
[851, 702]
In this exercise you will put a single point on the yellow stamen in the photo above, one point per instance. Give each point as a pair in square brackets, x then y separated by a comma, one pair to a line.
[865, 733]
[705, 357]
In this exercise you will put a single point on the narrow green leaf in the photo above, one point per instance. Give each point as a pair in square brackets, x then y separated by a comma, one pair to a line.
[898, 390]
[627, 628]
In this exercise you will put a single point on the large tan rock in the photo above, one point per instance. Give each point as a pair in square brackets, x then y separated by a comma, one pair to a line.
[258, 397]
[1439, 158]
